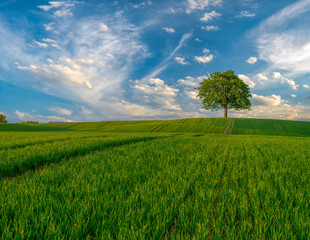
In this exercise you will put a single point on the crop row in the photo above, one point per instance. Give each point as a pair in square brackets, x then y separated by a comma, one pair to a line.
[17, 161]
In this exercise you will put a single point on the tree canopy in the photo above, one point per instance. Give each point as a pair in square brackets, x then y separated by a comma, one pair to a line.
[224, 91]
[3, 118]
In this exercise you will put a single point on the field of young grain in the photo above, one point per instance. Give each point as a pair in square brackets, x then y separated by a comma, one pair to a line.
[83, 184]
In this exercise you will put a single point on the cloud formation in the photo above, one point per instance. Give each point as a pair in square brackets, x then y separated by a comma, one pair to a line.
[252, 60]
[193, 5]
[157, 94]
[210, 16]
[63, 7]
[210, 28]
[181, 60]
[169, 30]
[246, 14]
[283, 45]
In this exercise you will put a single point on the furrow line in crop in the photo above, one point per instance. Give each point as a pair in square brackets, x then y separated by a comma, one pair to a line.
[154, 130]
[217, 197]
[281, 129]
[247, 192]
[161, 128]
[23, 145]
[278, 129]
[43, 160]
[175, 220]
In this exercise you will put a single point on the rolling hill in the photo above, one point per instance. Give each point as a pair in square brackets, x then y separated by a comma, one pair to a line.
[230, 126]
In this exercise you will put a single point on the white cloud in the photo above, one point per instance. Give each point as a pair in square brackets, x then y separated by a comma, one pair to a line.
[204, 59]
[245, 14]
[110, 55]
[169, 30]
[273, 107]
[181, 60]
[54, 4]
[252, 60]
[191, 94]
[52, 42]
[86, 111]
[94, 70]
[306, 86]
[290, 82]
[46, 42]
[191, 82]
[142, 4]
[201, 4]
[269, 101]
[103, 27]
[163, 65]
[209, 16]
[283, 45]
[63, 13]
[247, 80]
[39, 44]
[61, 111]
[24, 116]
[157, 94]
[261, 77]
[205, 50]
[49, 26]
[64, 7]
[276, 75]
[293, 95]
[197, 40]
[210, 28]
[65, 71]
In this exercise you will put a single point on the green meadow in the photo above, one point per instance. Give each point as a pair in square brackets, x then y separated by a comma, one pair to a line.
[208, 178]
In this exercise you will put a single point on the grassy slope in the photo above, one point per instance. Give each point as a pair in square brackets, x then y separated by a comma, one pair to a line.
[193, 125]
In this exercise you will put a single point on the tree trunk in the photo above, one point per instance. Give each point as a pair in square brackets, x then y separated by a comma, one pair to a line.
[225, 112]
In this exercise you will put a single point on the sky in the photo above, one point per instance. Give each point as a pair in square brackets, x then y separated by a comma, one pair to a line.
[97, 60]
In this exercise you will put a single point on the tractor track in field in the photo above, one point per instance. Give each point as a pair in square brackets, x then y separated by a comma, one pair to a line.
[226, 210]
[25, 167]
[279, 198]
[217, 197]
[19, 146]
[232, 126]
[175, 219]
[247, 193]
[159, 127]
[278, 126]
[190, 195]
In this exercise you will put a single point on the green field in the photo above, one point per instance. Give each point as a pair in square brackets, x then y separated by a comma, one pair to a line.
[174, 179]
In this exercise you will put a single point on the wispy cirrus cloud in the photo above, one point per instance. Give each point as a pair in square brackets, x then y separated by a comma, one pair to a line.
[181, 60]
[169, 30]
[62, 8]
[210, 28]
[246, 14]
[210, 16]
[286, 46]
[193, 5]
[95, 67]
[164, 64]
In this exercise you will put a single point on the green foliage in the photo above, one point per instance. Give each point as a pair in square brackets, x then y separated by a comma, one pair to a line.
[3, 118]
[30, 122]
[176, 187]
[224, 91]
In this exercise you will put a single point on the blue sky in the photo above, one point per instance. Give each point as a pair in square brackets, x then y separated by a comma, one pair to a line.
[118, 60]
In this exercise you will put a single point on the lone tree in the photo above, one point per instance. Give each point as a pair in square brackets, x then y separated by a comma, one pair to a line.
[224, 91]
[3, 118]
